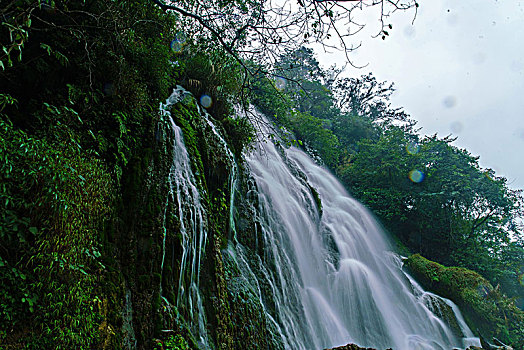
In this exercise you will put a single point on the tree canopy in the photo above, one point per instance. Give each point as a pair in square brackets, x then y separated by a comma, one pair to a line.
[261, 31]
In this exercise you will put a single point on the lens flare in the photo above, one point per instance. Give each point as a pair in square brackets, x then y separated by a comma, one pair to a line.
[206, 101]
[412, 148]
[176, 46]
[280, 83]
[416, 176]
[449, 101]
[181, 37]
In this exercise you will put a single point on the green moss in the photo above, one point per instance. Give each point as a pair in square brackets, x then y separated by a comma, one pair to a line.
[485, 308]
[316, 196]
[173, 342]
[186, 116]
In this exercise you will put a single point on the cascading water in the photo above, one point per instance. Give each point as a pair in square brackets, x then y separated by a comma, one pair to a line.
[325, 275]
[184, 193]
[331, 276]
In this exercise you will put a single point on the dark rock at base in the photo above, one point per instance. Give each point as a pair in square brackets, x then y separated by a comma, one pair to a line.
[352, 347]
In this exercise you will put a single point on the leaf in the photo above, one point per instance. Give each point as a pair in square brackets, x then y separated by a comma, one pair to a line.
[33, 230]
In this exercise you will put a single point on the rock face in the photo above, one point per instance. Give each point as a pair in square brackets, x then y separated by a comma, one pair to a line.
[352, 347]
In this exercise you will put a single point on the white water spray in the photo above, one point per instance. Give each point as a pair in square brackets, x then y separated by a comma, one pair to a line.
[328, 275]
[184, 193]
[331, 274]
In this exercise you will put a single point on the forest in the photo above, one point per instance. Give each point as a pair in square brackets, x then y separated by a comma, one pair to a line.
[84, 218]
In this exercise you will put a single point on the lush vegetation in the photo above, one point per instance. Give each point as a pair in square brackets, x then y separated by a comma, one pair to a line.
[80, 88]
[81, 165]
[486, 308]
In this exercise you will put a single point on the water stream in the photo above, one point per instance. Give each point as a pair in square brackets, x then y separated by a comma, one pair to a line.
[330, 268]
[326, 275]
[184, 194]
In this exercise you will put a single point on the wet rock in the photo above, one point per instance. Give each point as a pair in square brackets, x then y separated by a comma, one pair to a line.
[352, 347]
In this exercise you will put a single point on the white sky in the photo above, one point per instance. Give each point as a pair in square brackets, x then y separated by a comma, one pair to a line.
[458, 70]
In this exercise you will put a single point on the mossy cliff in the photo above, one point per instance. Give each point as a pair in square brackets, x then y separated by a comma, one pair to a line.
[85, 157]
[484, 307]
[234, 315]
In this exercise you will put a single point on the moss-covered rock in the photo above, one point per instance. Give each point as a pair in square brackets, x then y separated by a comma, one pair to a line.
[485, 308]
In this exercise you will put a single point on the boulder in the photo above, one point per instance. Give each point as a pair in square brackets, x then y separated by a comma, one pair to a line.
[352, 347]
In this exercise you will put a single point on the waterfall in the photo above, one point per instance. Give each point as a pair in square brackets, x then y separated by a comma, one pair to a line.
[185, 195]
[331, 274]
[325, 275]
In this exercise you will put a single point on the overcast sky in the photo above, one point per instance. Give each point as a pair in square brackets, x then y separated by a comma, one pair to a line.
[458, 70]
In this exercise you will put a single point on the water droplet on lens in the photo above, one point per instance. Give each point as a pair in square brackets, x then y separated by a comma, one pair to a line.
[409, 31]
[449, 101]
[176, 46]
[456, 127]
[181, 37]
[412, 148]
[206, 101]
[416, 176]
[280, 83]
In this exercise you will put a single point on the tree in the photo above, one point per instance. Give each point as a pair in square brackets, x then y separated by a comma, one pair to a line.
[438, 200]
[261, 31]
[368, 98]
[306, 83]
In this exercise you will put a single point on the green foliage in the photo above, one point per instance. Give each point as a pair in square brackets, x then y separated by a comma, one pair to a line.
[174, 342]
[240, 133]
[214, 73]
[457, 213]
[352, 128]
[312, 131]
[485, 307]
[367, 98]
[450, 210]
[78, 107]
[268, 99]
[14, 31]
[52, 196]
[90, 79]
[298, 110]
